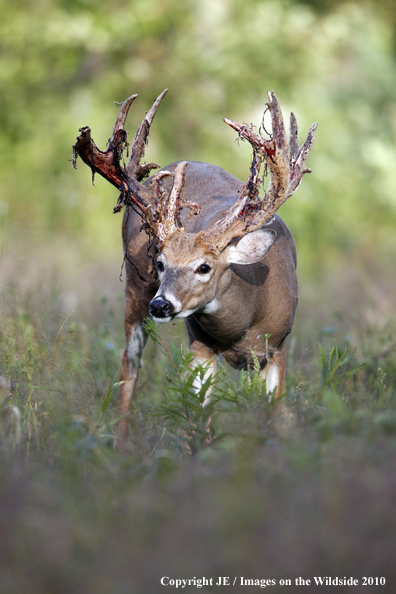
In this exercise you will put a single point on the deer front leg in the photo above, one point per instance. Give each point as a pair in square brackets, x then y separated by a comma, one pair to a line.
[274, 372]
[131, 362]
[204, 356]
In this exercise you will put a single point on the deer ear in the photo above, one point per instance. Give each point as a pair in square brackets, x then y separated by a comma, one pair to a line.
[251, 247]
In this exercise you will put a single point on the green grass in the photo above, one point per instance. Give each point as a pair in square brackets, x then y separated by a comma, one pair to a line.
[232, 489]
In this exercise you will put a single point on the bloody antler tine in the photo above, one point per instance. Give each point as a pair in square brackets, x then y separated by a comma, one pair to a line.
[122, 116]
[234, 125]
[258, 143]
[103, 163]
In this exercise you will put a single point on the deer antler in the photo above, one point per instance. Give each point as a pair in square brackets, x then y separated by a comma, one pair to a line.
[107, 163]
[165, 219]
[287, 166]
[161, 209]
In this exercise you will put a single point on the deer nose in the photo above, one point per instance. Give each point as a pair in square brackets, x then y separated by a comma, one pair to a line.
[160, 307]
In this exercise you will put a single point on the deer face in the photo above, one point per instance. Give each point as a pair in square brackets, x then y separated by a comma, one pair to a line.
[189, 274]
[193, 277]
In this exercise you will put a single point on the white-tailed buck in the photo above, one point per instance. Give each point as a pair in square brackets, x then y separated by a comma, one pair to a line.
[229, 270]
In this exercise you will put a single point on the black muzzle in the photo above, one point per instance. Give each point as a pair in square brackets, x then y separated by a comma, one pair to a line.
[160, 308]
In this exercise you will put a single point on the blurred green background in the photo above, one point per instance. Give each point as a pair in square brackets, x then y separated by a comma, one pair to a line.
[309, 493]
[64, 63]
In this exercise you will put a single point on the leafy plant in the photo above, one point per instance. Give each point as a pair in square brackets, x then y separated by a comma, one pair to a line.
[187, 409]
[334, 366]
[198, 403]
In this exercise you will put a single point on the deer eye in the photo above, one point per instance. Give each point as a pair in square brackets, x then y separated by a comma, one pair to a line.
[203, 269]
[160, 266]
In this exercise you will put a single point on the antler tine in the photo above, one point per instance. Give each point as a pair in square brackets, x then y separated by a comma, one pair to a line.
[278, 126]
[293, 140]
[168, 211]
[298, 168]
[151, 113]
[173, 204]
[134, 168]
[275, 152]
[122, 116]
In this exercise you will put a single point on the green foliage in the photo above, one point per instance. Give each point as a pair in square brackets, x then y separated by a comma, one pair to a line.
[184, 407]
[335, 364]
[47, 362]
[57, 374]
[80, 507]
[264, 493]
[201, 408]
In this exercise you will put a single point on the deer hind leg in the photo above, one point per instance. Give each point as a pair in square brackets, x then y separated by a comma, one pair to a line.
[131, 362]
[274, 372]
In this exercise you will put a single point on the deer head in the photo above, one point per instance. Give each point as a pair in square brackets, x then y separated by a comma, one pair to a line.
[192, 268]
